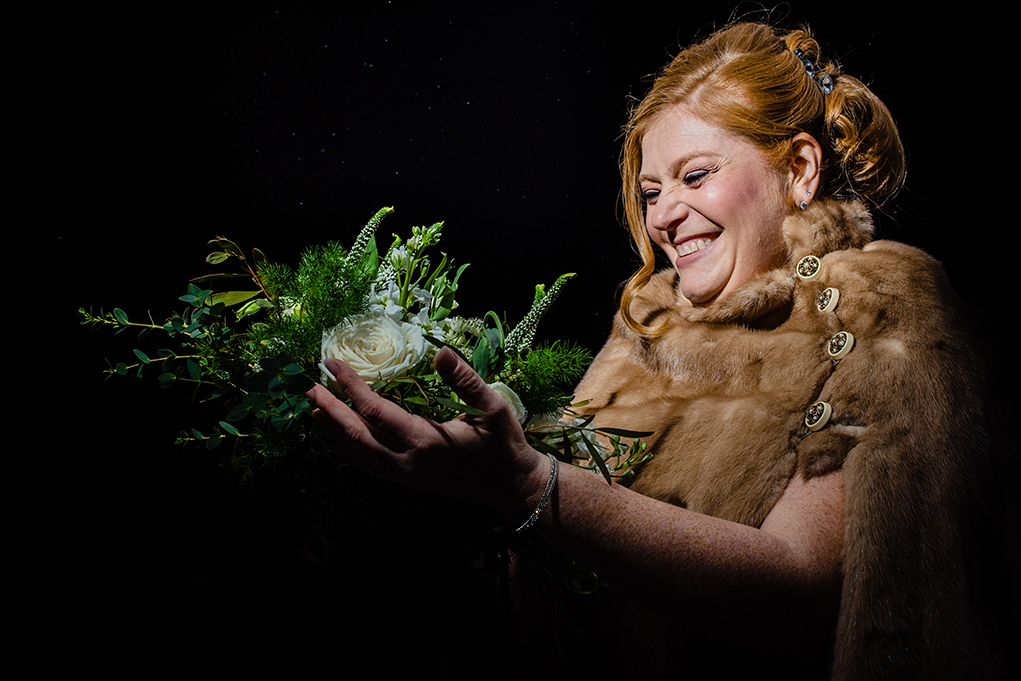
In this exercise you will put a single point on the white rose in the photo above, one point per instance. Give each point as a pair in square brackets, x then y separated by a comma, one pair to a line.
[512, 400]
[374, 345]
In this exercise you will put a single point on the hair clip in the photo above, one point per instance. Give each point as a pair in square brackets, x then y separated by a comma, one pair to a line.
[824, 80]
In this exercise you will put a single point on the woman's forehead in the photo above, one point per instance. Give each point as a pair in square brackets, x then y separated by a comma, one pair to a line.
[675, 134]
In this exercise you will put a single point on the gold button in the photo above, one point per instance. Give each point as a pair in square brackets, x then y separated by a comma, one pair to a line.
[809, 267]
[818, 416]
[840, 345]
[827, 300]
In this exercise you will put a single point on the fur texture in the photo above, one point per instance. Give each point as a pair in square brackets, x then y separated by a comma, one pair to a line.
[726, 389]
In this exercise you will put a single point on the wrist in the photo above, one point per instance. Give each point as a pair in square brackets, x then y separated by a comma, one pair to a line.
[525, 487]
[547, 492]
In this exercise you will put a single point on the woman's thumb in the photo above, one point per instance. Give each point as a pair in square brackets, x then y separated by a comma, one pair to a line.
[463, 380]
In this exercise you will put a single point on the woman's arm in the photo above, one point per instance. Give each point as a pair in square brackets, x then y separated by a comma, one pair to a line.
[768, 584]
[761, 587]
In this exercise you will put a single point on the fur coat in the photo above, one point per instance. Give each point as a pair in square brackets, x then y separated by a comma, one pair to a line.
[865, 341]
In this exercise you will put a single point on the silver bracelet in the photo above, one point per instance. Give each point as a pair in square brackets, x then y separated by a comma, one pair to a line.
[550, 484]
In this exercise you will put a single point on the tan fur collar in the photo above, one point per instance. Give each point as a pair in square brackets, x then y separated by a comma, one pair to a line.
[825, 226]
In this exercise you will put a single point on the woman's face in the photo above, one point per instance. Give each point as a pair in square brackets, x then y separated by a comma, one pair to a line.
[713, 204]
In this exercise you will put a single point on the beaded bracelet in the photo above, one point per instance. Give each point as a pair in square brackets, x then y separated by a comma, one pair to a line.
[550, 484]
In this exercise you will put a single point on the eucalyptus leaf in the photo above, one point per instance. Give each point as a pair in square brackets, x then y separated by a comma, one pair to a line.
[194, 369]
[256, 401]
[120, 315]
[239, 412]
[142, 356]
[259, 382]
[229, 428]
[277, 386]
[216, 257]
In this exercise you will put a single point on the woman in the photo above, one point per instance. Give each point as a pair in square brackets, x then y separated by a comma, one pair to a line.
[802, 383]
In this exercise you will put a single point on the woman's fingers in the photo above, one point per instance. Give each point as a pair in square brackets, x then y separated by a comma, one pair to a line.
[343, 423]
[386, 441]
[381, 413]
[463, 380]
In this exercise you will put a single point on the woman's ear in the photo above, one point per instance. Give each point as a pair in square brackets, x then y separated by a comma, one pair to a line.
[806, 164]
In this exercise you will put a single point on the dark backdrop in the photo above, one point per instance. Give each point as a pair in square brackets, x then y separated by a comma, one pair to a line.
[142, 133]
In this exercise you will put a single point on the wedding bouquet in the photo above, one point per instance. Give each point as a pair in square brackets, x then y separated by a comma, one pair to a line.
[256, 349]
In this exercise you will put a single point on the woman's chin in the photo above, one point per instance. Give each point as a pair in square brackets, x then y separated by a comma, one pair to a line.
[699, 291]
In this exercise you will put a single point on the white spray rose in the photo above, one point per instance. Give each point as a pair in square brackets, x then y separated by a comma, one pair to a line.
[374, 345]
[512, 399]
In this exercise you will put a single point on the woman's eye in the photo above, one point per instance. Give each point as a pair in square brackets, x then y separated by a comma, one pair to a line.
[695, 177]
[650, 195]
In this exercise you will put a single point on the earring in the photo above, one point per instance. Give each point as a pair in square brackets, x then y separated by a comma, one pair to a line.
[804, 205]
[809, 193]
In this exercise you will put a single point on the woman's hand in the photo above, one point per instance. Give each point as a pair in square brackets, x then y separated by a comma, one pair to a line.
[483, 459]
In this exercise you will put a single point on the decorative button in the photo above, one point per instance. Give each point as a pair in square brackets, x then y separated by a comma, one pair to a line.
[828, 299]
[840, 345]
[809, 267]
[818, 416]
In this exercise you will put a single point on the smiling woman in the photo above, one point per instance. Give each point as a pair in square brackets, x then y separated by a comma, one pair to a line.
[714, 204]
[811, 509]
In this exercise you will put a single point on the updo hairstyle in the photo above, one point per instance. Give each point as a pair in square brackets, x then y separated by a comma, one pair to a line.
[746, 78]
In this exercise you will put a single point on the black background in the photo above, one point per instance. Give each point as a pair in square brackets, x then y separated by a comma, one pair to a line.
[142, 133]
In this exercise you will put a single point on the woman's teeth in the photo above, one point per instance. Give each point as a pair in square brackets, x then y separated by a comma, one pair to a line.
[690, 247]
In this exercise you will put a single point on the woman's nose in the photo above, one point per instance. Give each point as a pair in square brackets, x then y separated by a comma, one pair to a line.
[667, 213]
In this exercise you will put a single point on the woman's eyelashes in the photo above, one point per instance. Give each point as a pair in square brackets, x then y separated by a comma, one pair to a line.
[691, 179]
[650, 195]
[694, 177]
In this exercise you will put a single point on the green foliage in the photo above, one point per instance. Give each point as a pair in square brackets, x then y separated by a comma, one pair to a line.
[546, 374]
[261, 358]
[326, 288]
[249, 339]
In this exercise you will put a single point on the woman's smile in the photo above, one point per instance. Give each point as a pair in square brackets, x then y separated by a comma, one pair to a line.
[692, 245]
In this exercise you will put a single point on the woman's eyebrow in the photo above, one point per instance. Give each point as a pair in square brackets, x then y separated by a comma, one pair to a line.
[675, 167]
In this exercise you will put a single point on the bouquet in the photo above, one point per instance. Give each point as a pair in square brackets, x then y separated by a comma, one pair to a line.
[255, 350]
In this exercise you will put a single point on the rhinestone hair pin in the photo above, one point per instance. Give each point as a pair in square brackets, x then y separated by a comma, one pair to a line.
[824, 79]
